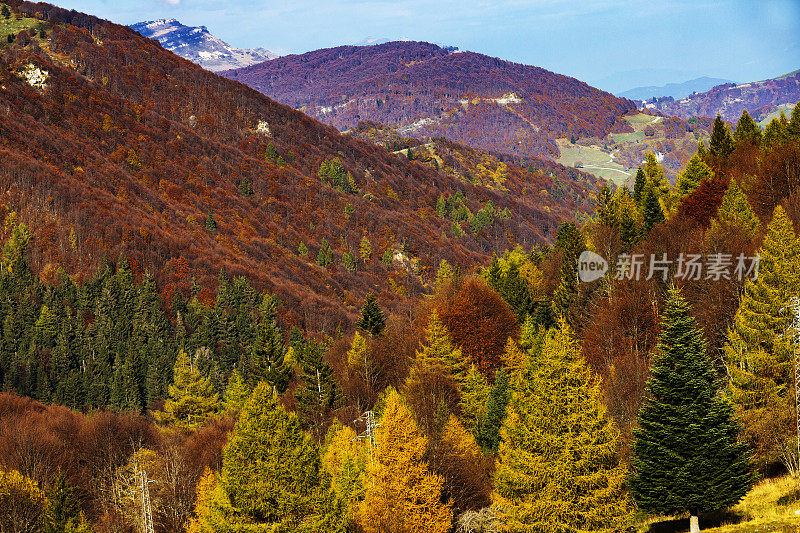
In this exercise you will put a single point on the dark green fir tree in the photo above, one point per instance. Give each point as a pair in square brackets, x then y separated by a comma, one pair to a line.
[651, 209]
[372, 320]
[747, 131]
[488, 434]
[318, 393]
[638, 185]
[211, 224]
[245, 188]
[687, 456]
[721, 143]
[267, 359]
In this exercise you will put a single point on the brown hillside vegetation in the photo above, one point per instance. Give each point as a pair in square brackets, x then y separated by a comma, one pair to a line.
[127, 148]
[432, 91]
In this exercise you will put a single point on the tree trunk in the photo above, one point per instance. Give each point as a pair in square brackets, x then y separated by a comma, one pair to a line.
[694, 524]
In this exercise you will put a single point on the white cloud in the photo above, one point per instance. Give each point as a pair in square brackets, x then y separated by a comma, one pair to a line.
[173, 2]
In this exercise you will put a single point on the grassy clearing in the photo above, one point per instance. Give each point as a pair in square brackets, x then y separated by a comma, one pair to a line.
[13, 26]
[769, 507]
[595, 161]
[640, 118]
[787, 110]
[636, 136]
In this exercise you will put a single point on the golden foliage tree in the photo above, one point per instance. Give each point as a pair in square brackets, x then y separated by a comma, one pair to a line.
[345, 458]
[22, 503]
[759, 353]
[191, 396]
[403, 495]
[557, 468]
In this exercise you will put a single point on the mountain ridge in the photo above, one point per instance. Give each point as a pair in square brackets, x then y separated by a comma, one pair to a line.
[675, 90]
[430, 91]
[119, 147]
[198, 45]
[759, 98]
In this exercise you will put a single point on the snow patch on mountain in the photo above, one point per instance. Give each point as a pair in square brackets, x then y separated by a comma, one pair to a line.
[198, 45]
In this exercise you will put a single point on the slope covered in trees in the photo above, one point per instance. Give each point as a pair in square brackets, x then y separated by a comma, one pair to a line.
[112, 145]
[760, 98]
[432, 91]
[423, 418]
[418, 416]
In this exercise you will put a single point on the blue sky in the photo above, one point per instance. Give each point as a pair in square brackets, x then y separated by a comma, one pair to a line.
[613, 44]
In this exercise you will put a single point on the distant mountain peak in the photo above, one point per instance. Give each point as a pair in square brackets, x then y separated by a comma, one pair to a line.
[371, 41]
[198, 45]
[759, 98]
[674, 90]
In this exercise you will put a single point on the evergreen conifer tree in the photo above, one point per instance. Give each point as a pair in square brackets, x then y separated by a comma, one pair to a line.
[638, 185]
[211, 224]
[759, 354]
[687, 454]
[655, 174]
[794, 123]
[776, 133]
[245, 188]
[359, 360]
[689, 179]
[439, 353]
[272, 474]
[702, 151]
[236, 394]
[372, 320]
[268, 353]
[201, 521]
[734, 215]
[318, 393]
[63, 513]
[345, 458]
[721, 142]
[747, 131]
[474, 395]
[191, 397]
[365, 249]
[557, 467]
[126, 392]
[488, 435]
[651, 210]
[513, 359]
[403, 495]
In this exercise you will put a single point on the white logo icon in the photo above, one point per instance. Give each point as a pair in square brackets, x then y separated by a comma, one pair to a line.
[591, 266]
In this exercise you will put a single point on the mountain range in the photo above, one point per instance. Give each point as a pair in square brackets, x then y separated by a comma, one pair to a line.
[675, 90]
[759, 98]
[112, 145]
[427, 91]
[196, 44]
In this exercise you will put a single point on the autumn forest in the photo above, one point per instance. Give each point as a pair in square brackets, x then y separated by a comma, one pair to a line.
[218, 314]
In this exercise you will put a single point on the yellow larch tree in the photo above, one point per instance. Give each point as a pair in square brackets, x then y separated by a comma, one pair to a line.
[403, 495]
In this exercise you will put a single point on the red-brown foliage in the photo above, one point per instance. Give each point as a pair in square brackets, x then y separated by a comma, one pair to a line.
[480, 322]
[617, 341]
[130, 147]
[779, 178]
[399, 83]
[40, 441]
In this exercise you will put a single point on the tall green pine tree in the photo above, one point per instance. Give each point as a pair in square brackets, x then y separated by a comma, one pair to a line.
[372, 319]
[687, 453]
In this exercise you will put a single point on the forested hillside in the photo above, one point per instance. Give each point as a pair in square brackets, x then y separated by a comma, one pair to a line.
[429, 91]
[217, 314]
[112, 145]
[759, 98]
